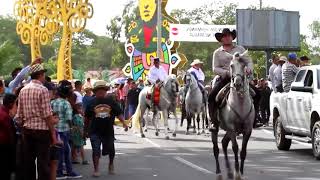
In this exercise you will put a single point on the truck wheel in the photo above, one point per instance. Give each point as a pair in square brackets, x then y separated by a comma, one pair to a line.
[316, 140]
[282, 142]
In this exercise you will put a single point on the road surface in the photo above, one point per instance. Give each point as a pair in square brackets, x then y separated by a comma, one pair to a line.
[189, 157]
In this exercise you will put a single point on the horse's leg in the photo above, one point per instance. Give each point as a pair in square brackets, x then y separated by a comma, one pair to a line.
[194, 123]
[188, 123]
[225, 142]
[203, 112]
[145, 120]
[214, 138]
[235, 149]
[143, 109]
[165, 120]
[243, 153]
[155, 123]
[176, 124]
[198, 123]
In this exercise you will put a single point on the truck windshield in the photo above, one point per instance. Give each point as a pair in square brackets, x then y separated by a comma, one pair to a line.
[318, 74]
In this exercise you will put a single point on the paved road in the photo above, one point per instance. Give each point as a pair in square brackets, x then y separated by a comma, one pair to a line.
[189, 157]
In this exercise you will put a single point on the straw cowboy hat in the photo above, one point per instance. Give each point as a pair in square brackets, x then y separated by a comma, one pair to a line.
[283, 58]
[195, 62]
[37, 68]
[100, 85]
[224, 32]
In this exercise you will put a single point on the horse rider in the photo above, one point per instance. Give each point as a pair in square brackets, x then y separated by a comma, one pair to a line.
[157, 75]
[221, 65]
[197, 72]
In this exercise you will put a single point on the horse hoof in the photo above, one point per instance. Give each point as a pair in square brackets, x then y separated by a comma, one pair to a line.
[230, 175]
[198, 133]
[187, 133]
[167, 138]
[157, 133]
[174, 135]
[146, 130]
[143, 136]
[238, 177]
[203, 131]
[219, 177]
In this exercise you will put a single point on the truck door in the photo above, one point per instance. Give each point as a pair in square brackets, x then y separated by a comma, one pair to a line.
[294, 103]
[304, 102]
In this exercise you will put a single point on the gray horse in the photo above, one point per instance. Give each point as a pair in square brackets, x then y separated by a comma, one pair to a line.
[194, 103]
[235, 117]
[168, 96]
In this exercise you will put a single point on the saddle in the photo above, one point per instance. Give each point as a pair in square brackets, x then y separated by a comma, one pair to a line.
[154, 94]
[223, 95]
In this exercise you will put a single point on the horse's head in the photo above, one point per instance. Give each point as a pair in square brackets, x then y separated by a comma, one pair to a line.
[238, 71]
[172, 85]
[191, 80]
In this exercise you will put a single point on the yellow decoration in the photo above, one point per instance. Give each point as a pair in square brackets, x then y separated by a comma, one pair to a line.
[37, 23]
[40, 20]
[74, 17]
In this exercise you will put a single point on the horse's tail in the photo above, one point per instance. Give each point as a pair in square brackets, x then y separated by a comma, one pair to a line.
[136, 118]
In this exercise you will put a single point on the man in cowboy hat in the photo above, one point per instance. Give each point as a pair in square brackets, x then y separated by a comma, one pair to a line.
[100, 117]
[277, 80]
[289, 71]
[35, 116]
[196, 71]
[221, 62]
[157, 75]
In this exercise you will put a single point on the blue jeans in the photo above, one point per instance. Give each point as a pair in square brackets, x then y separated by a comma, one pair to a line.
[65, 153]
[132, 109]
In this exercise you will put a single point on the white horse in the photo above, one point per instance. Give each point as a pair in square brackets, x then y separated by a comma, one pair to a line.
[194, 103]
[168, 96]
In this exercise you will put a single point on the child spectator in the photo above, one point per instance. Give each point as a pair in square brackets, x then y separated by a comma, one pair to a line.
[77, 135]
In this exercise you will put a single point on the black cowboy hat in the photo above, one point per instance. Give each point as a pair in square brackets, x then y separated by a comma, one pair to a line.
[224, 32]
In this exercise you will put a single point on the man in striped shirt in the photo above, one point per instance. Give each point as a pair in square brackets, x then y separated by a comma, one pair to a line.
[289, 71]
[35, 116]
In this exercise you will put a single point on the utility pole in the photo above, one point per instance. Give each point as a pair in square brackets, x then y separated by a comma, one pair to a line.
[260, 4]
[159, 31]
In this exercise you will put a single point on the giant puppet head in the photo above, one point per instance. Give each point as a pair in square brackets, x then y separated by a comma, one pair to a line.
[147, 9]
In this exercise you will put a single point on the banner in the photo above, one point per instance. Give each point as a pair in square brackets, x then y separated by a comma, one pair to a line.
[196, 32]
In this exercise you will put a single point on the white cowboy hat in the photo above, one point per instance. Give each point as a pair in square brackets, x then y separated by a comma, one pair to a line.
[196, 61]
[283, 58]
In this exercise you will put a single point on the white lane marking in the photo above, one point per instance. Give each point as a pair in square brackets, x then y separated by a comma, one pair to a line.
[153, 143]
[297, 142]
[192, 165]
[149, 141]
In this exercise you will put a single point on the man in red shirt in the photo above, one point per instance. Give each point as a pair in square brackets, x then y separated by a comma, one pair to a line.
[7, 136]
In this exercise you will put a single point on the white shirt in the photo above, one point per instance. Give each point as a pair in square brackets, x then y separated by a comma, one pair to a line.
[271, 75]
[79, 97]
[157, 74]
[277, 76]
[198, 72]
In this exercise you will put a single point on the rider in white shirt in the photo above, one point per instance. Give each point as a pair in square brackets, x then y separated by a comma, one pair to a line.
[157, 72]
[199, 75]
[157, 75]
[196, 69]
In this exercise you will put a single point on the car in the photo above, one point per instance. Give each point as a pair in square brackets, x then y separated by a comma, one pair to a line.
[295, 114]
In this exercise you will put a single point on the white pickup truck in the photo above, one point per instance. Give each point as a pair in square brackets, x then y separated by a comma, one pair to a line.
[295, 114]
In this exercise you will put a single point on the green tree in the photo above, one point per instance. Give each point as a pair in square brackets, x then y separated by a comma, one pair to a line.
[10, 57]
